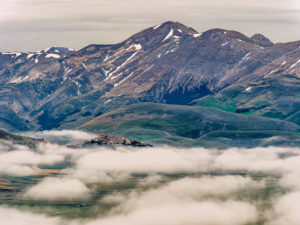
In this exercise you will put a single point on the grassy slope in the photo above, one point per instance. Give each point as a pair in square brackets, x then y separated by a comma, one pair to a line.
[185, 125]
[277, 97]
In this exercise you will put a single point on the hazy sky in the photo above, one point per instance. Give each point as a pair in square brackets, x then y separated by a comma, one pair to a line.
[29, 25]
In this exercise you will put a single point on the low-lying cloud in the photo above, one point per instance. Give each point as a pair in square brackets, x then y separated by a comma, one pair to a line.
[16, 217]
[189, 213]
[58, 189]
[195, 186]
[62, 136]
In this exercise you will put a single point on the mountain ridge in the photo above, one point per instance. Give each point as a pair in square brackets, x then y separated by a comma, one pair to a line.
[168, 63]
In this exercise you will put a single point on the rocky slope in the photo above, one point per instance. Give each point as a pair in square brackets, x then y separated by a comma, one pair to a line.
[109, 140]
[169, 63]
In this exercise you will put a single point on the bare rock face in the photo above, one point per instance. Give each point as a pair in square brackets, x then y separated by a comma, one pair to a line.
[112, 140]
[262, 39]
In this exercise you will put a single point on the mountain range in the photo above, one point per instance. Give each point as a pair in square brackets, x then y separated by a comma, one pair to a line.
[168, 64]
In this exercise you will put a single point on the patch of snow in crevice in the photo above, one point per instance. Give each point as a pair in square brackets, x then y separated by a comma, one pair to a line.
[29, 56]
[226, 43]
[107, 101]
[106, 58]
[19, 79]
[179, 30]
[78, 85]
[122, 65]
[118, 52]
[36, 61]
[172, 50]
[295, 64]
[122, 81]
[248, 89]
[156, 27]
[170, 34]
[196, 35]
[137, 47]
[67, 71]
[114, 59]
[32, 76]
[84, 66]
[106, 72]
[114, 77]
[16, 54]
[146, 70]
[159, 56]
[283, 63]
[259, 46]
[272, 71]
[246, 57]
[52, 56]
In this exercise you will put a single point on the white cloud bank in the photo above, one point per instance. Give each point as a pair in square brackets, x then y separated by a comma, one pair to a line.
[58, 189]
[9, 216]
[195, 199]
[188, 213]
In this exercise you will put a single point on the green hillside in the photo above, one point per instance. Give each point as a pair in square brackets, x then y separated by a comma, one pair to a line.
[189, 125]
[17, 139]
[276, 96]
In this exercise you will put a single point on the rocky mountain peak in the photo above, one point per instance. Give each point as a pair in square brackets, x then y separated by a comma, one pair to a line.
[161, 34]
[262, 39]
[177, 27]
[62, 50]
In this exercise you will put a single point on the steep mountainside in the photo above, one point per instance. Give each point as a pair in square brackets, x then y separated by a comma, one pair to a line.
[169, 63]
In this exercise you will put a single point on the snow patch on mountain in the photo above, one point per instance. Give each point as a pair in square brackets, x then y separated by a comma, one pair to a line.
[122, 81]
[156, 27]
[295, 64]
[29, 56]
[226, 43]
[246, 57]
[248, 89]
[137, 47]
[52, 56]
[16, 54]
[170, 34]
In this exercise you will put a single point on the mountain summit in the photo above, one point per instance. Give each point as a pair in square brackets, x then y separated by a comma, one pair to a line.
[261, 38]
[162, 33]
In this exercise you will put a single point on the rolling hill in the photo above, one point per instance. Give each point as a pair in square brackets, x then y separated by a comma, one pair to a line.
[193, 126]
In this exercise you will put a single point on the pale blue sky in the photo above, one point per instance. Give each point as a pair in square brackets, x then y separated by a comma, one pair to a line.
[28, 25]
